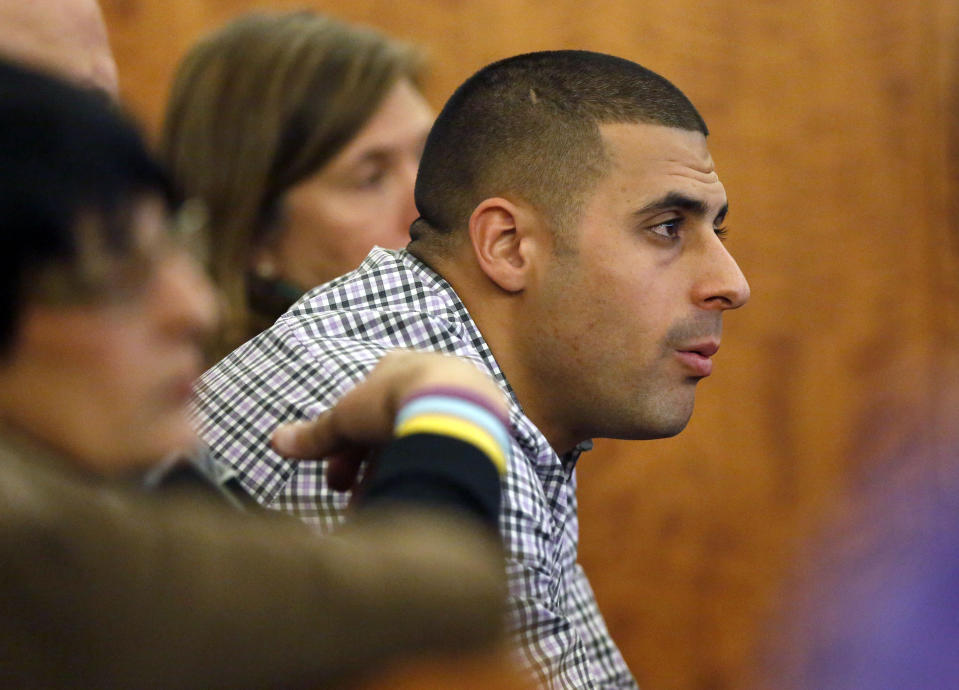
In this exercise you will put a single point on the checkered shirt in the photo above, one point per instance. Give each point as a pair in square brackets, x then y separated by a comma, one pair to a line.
[331, 339]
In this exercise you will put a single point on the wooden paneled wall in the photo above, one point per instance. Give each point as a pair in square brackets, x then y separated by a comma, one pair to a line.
[833, 129]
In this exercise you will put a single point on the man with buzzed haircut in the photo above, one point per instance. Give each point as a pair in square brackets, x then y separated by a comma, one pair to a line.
[67, 37]
[571, 244]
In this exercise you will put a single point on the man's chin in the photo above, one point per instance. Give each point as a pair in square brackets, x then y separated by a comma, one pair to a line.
[647, 432]
[663, 424]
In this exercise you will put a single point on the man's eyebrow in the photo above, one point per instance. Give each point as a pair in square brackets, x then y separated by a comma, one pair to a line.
[678, 200]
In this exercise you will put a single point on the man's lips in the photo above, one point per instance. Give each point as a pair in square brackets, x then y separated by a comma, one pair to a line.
[696, 357]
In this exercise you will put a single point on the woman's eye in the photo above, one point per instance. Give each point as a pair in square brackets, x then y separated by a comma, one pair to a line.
[373, 178]
[367, 176]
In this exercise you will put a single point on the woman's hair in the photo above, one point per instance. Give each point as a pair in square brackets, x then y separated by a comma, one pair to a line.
[258, 106]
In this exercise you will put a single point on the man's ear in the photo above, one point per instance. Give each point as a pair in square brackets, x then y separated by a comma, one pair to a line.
[500, 233]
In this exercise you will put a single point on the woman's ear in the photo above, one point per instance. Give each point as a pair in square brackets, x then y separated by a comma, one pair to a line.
[500, 233]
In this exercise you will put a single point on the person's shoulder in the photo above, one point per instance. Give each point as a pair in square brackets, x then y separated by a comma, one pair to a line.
[390, 301]
[387, 280]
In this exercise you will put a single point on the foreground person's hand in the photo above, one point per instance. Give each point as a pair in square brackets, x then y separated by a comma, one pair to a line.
[364, 418]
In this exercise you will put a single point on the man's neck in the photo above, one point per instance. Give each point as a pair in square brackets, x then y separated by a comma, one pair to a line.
[500, 318]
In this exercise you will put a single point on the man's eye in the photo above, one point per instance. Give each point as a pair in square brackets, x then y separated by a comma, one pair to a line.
[668, 229]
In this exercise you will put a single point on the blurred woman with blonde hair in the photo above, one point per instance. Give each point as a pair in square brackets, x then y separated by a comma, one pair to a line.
[302, 135]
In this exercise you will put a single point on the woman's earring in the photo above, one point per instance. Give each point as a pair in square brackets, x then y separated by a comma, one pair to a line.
[265, 268]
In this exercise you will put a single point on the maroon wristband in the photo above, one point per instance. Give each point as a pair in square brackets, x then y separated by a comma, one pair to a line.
[462, 394]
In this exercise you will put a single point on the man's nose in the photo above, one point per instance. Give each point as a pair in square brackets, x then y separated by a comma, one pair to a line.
[721, 284]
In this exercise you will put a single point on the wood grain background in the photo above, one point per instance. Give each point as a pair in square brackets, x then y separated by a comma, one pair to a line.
[834, 130]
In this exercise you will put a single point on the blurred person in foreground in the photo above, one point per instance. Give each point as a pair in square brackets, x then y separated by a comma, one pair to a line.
[302, 135]
[873, 599]
[570, 243]
[104, 585]
[65, 37]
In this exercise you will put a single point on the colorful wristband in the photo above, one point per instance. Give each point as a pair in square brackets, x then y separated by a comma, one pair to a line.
[448, 409]
[459, 393]
[456, 407]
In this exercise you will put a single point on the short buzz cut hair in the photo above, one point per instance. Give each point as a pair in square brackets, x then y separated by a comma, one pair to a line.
[529, 127]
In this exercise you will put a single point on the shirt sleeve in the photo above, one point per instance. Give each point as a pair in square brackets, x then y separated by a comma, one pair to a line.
[435, 471]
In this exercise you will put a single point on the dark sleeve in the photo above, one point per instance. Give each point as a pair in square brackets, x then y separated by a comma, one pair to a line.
[105, 588]
[435, 471]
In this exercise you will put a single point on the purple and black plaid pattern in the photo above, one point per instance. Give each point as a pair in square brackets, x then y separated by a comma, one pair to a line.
[327, 342]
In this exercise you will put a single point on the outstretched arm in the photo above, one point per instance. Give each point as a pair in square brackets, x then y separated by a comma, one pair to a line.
[107, 588]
